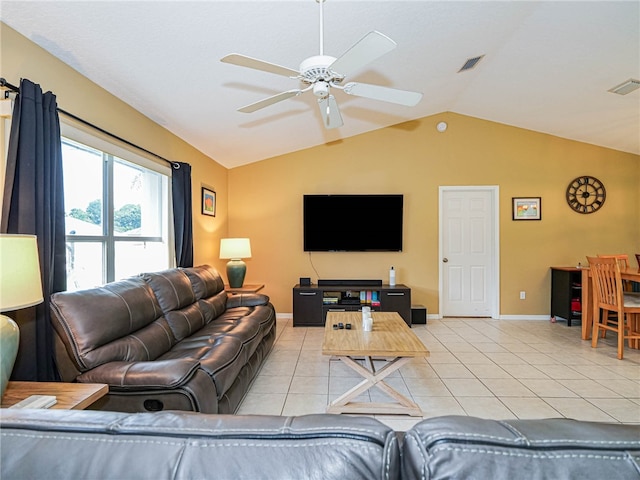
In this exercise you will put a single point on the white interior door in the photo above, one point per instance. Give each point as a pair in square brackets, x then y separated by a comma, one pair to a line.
[469, 252]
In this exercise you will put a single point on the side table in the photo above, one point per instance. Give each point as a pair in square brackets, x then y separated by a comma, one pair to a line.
[69, 396]
[246, 288]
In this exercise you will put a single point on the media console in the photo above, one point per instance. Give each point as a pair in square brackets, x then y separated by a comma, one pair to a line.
[312, 302]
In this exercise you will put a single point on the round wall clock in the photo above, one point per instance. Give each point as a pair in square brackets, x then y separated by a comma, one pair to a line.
[586, 194]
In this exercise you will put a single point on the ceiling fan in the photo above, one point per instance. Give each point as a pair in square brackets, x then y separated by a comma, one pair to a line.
[320, 73]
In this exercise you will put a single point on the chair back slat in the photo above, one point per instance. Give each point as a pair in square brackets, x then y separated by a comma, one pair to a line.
[623, 259]
[607, 281]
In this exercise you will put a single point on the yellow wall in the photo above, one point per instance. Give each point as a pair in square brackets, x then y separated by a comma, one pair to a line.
[21, 58]
[264, 200]
[265, 204]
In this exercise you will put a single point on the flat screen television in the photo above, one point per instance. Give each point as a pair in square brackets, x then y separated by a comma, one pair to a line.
[352, 223]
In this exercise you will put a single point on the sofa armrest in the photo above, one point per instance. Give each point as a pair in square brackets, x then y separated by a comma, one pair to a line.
[148, 375]
[247, 300]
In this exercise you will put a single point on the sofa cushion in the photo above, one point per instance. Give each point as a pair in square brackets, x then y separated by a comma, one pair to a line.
[205, 281]
[172, 288]
[220, 357]
[186, 321]
[132, 375]
[119, 321]
[109, 445]
[244, 327]
[208, 288]
[469, 447]
[212, 307]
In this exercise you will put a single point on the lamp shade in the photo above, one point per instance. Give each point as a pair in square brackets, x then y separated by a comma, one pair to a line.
[20, 282]
[235, 248]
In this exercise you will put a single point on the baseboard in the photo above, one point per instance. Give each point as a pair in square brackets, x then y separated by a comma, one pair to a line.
[525, 317]
[435, 316]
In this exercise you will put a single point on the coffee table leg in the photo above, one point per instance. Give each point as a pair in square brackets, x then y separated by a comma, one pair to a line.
[402, 404]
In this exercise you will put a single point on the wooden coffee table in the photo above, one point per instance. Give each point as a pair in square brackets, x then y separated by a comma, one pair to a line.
[390, 339]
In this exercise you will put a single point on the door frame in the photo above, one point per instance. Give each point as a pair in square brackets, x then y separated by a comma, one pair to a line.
[495, 284]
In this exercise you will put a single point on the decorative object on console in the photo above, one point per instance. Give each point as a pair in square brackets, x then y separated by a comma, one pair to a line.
[235, 249]
[20, 287]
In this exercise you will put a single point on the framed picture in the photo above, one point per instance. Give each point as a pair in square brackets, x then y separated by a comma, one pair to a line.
[208, 202]
[527, 208]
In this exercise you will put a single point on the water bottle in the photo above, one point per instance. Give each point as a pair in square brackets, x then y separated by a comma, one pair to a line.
[392, 277]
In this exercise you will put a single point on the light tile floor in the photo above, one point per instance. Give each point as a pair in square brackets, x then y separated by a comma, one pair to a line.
[498, 369]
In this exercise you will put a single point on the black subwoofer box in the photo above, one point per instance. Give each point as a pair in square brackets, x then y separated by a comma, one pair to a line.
[418, 315]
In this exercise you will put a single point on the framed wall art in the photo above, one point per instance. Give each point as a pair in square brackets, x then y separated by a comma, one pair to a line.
[208, 202]
[527, 208]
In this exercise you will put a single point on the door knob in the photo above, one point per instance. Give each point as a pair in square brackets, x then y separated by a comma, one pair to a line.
[445, 260]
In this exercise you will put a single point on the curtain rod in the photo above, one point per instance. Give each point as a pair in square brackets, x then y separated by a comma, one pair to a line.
[176, 165]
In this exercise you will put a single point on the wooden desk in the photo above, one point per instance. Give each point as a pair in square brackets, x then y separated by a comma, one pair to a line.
[69, 396]
[246, 288]
[391, 338]
[588, 308]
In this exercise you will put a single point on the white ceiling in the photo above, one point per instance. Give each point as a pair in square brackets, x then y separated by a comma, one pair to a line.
[547, 65]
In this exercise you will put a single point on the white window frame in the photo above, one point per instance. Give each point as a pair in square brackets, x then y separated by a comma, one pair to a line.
[105, 144]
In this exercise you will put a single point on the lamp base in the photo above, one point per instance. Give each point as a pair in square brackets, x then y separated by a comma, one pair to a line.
[9, 340]
[236, 270]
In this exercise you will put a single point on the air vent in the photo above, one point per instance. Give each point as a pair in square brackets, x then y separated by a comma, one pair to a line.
[470, 63]
[626, 87]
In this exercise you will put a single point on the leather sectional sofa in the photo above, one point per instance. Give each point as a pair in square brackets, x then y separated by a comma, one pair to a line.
[170, 340]
[58, 444]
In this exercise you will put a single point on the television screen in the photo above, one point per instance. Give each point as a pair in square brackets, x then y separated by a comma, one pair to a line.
[352, 223]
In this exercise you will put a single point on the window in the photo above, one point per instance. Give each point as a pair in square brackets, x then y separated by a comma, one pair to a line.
[116, 213]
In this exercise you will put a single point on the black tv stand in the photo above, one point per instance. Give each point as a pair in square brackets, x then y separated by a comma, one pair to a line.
[311, 303]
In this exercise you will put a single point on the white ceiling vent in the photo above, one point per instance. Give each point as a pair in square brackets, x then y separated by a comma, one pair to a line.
[626, 87]
[470, 63]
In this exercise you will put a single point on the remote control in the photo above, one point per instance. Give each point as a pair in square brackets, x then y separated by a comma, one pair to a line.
[36, 401]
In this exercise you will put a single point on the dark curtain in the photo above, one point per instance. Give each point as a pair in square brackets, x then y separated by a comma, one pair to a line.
[33, 204]
[182, 213]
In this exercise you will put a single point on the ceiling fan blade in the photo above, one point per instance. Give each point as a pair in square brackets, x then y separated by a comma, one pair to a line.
[330, 112]
[252, 107]
[386, 94]
[244, 61]
[373, 45]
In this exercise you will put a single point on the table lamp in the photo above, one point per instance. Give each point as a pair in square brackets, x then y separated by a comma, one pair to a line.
[20, 287]
[235, 249]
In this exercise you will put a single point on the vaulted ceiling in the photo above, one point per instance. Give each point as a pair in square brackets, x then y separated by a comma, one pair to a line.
[547, 66]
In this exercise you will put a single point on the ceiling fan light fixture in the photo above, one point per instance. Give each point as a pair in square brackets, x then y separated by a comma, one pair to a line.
[626, 87]
[321, 89]
[470, 63]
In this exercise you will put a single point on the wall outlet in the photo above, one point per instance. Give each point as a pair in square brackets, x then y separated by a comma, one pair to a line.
[523, 295]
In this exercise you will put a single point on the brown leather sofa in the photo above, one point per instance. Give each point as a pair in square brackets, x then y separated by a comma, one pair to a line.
[171, 340]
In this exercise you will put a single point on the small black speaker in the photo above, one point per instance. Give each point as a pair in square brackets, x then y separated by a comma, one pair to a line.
[418, 314]
[305, 281]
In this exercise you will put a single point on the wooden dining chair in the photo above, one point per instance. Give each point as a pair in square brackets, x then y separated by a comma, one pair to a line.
[609, 297]
[623, 261]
